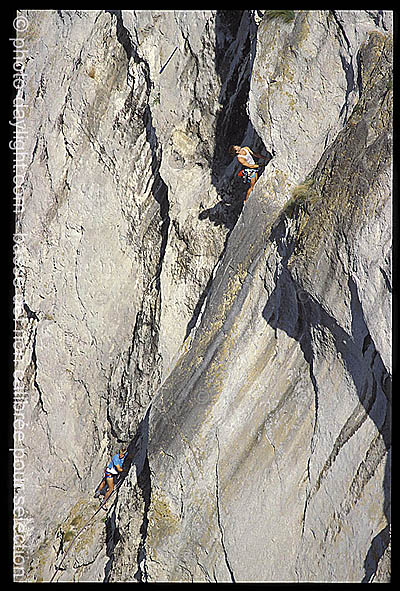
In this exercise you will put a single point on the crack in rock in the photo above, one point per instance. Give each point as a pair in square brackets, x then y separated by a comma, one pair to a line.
[217, 495]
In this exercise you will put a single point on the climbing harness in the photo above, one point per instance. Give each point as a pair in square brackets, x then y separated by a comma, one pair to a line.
[243, 175]
[101, 506]
[247, 173]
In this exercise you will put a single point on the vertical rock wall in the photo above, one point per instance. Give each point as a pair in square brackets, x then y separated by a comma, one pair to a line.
[243, 355]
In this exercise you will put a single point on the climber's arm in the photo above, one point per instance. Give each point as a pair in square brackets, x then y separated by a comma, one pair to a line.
[244, 162]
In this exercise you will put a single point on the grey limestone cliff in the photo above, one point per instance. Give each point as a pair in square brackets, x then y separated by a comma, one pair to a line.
[241, 351]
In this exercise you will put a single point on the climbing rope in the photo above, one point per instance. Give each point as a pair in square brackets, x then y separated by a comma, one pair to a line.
[83, 528]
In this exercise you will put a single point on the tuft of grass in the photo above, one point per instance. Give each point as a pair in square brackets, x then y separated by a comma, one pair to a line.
[303, 195]
[302, 191]
[284, 15]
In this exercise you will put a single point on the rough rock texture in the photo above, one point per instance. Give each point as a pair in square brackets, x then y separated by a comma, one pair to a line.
[243, 353]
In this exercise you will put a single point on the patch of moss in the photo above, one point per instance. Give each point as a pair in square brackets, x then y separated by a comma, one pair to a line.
[76, 520]
[68, 536]
[163, 522]
[91, 72]
[285, 16]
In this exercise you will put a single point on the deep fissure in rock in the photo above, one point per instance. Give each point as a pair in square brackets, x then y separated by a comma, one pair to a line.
[235, 45]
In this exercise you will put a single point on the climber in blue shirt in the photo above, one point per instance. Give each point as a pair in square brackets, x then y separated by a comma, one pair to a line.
[113, 468]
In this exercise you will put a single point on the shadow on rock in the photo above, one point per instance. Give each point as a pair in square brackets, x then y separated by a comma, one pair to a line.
[225, 213]
[295, 311]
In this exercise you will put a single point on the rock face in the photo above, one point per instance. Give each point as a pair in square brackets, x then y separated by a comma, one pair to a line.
[243, 353]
